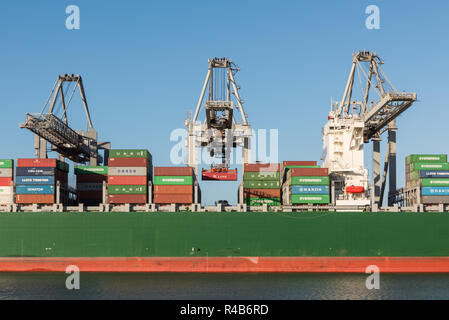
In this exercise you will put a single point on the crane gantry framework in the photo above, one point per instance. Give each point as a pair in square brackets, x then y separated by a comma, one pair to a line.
[353, 122]
[78, 146]
[220, 131]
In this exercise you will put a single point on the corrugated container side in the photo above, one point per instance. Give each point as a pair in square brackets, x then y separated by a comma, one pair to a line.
[259, 167]
[435, 182]
[433, 174]
[4, 182]
[426, 158]
[129, 153]
[129, 162]
[173, 189]
[6, 163]
[437, 191]
[173, 171]
[128, 171]
[310, 199]
[127, 198]
[261, 184]
[262, 176]
[91, 170]
[127, 180]
[173, 180]
[308, 172]
[35, 198]
[35, 189]
[161, 198]
[298, 163]
[312, 181]
[261, 193]
[309, 189]
[6, 172]
[127, 189]
[261, 201]
[49, 180]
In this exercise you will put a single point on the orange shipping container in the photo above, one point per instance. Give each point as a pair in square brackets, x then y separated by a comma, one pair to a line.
[262, 193]
[127, 180]
[127, 198]
[257, 167]
[173, 171]
[169, 189]
[35, 198]
[128, 162]
[173, 198]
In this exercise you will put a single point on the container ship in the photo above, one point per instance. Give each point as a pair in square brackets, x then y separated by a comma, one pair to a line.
[125, 215]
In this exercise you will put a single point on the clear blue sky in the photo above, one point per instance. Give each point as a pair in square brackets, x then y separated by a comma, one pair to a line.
[144, 62]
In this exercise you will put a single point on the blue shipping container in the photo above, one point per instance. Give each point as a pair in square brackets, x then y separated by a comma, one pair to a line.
[310, 189]
[26, 189]
[434, 174]
[35, 171]
[435, 191]
[35, 180]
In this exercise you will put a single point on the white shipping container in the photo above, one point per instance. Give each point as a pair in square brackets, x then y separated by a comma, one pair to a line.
[127, 171]
[6, 199]
[6, 190]
[6, 173]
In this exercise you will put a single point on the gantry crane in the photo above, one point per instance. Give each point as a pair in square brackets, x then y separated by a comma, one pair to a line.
[78, 146]
[351, 123]
[220, 132]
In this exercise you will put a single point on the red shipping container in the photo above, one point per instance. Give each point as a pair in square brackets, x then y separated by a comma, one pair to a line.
[127, 180]
[173, 198]
[299, 163]
[261, 193]
[128, 162]
[91, 178]
[89, 195]
[259, 167]
[47, 163]
[173, 171]
[308, 172]
[173, 189]
[127, 198]
[35, 198]
[5, 182]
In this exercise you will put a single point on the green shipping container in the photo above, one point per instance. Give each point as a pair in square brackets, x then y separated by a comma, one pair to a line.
[6, 163]
[127, 189]
[435, 182]
[262, 176]
[426, 158]
[261, 184]
[173, 180]
[91, 170]
[311, 181]
[312, 199]
[261, 201]
[428, 166]
[129, 153]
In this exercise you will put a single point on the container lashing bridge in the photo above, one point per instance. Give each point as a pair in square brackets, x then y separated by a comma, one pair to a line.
[219, 132]
[78, 146]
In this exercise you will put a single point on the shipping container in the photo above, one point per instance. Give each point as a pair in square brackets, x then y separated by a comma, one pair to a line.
[35, 189]
[92, 178]
[310, 199]
[261, 193]
[129, 162]
[261, 184]
[173, 180]
[161, 198]
[91, 170]
[127, 198]
[35, 198]
[428, 166]
[89, 186]
[6, 172]
[6, 163]
[298, 163]
[127, 180]
[5, 182]
[6, 199]
[89, 195]
[129, 153]
[262, 176]
[35, 180]
[307, 172]
[173, 189]
[173, 171]
[438, 191]
[128, 171]
[127, 189]
[434, 182]
[48, 163]
[35, 171]
[435, 199]
[433, 174]
[261, 201]
[309, 189]
[6, 190]
[311, 181]
[257, 167]
[426, 158]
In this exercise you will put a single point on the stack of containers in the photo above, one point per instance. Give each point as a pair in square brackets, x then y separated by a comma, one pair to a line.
[6, 181]
[307, 184]
[431, 172]
[89, 184]
[129, 172]
[261, 184]
[174, 185]
[36, 181]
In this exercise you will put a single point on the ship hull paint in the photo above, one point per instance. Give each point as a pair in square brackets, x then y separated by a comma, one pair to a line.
[230, 264]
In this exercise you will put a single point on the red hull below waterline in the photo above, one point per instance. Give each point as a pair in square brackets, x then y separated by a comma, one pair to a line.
[230, 264]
